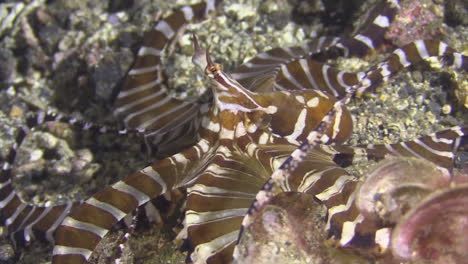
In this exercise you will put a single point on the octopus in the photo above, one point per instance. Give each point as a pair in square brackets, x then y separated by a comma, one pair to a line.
[96, 57]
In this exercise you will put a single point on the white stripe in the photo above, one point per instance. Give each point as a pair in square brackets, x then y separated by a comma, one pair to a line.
[349, 229]
[203, 251]
[134, 90]
[139, 196]
[395, 3]
[457, 60]
[196, 218]
[114, 211]
[390, 148]
[240, 130]
[458, 130]
[188, 113]
[310, 178]
[364, 39]
[401, 57]
[300, 99]
[27, 237]
[442, 48]
[153, 174]
[5, 201]
[28, 233]
[337, 121]
[421, 48]
[290, 77]
[441, 140]
[5, 183]
[234, 84]
[64, 250]
[447, 154]
[384, 71]
[143, 70]
[338, 209]
[260, 65]
[340, 80]
[13, 217]
[314, 102]
[165, 28]
[226, 133]
[143, 51]
[307, 71]
[97, 230]
[203, 189]
[204, 145]
[210, 125]
[188, 12]
[264, 139]
[40, 117]
[251, 149]
[180, 158]
[382, 21]
[298, 127]
[403, 144]
[152, 214]
[6, 166]
[382, 237]
[245, 75]
[327, 80]
[268, 56]
[49, 233]
[210, 6]
[344, 48]
[148, 108]
[336, 188]
[131, 104]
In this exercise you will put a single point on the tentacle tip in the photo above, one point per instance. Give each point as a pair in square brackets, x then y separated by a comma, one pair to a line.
[199, 54]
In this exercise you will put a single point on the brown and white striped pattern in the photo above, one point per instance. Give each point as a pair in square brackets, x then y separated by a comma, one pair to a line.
[294, 69]
[25, 221]
[263, 119]
[144, 103]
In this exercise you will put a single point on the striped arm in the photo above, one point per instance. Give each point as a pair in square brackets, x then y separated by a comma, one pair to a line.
[303, 74]
[318, 175]
[41, 117]
[308, 107]
[372, 36]
[223, 193]
[144, 102]
[437, 148]
[330, 184]
[23, 221]
[216, 204]
[81, 231]
[268, 71]
[259, 73]
[408, 55]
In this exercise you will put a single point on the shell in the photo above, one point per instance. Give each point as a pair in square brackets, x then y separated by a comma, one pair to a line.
[436, 229]
[395, 185]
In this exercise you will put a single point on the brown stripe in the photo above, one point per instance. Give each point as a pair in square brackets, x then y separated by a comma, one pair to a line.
[68, 259]
[71, 237]
[204, 233]
[49, 219]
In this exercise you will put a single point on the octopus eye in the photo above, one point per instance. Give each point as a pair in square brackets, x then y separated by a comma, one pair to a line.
[213, 69]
